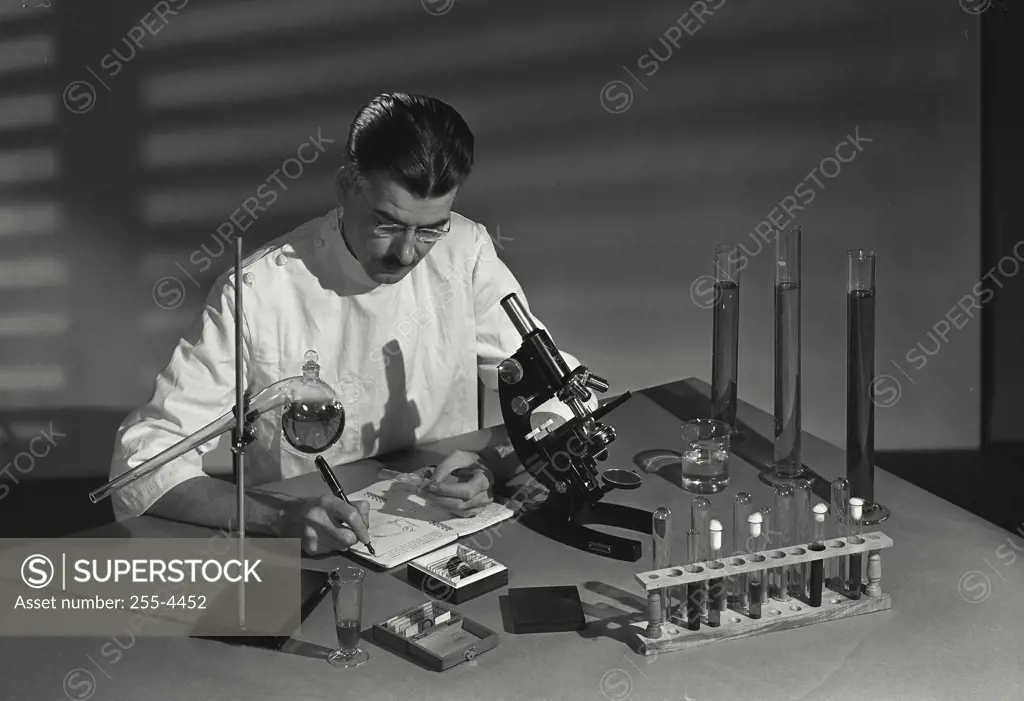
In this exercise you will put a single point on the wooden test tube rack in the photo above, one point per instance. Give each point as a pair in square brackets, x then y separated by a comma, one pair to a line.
[658, 635]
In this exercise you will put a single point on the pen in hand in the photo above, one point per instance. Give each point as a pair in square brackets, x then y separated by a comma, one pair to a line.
[335, 487]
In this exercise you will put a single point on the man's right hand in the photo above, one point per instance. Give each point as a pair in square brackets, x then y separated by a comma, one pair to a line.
[326, 524]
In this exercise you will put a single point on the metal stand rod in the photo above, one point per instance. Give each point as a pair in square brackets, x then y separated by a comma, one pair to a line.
[241, 409]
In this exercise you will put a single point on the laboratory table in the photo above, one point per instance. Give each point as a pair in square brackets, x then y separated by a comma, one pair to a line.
[955, 630]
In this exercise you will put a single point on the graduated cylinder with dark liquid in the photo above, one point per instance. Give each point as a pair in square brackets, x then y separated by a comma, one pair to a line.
[860, 374]
[725, 338]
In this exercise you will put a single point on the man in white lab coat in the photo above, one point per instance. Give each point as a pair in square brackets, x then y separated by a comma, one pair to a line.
[398, 295]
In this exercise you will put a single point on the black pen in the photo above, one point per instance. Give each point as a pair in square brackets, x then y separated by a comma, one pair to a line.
[335, 487]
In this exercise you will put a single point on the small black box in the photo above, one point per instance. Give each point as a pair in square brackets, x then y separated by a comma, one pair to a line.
[546, 609]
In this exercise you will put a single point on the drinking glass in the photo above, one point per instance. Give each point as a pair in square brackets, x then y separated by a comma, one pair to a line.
[347, 592]
[705, 456]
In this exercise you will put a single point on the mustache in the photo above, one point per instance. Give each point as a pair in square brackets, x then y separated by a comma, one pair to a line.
[394, 262]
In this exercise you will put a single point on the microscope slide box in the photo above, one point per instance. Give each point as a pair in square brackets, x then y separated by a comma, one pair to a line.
[437, 636]
[456, 574]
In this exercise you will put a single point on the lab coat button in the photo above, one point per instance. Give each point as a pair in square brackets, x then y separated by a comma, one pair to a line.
[281, 260]
[247, 279]
[319, 241]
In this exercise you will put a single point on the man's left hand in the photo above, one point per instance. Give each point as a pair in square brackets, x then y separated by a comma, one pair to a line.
[461, 484]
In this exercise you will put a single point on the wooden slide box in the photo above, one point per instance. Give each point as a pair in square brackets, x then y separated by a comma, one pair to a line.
[435, 578]
[439, 646]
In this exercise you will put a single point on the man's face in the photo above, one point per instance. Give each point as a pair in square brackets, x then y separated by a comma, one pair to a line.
[375, 200]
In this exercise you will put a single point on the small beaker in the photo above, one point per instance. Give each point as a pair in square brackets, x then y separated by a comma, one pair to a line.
[347, 592]
[705, 467]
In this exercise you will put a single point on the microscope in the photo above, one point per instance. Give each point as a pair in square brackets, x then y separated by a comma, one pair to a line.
[564, 458]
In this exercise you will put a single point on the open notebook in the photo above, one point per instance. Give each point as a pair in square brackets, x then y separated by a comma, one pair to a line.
[404, 525]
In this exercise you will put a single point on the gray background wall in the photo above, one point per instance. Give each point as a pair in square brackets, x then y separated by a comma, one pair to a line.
[609, 197]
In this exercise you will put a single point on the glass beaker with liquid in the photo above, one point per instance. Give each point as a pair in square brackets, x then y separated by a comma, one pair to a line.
[705, 468]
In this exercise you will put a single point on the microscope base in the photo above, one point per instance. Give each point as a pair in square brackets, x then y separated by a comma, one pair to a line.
[573, 530]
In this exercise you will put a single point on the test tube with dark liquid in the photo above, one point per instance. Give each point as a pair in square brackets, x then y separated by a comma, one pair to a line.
[860, 377]
[662, 536]
[726, 335]
[837, 576]
[700, 515]
[784, 527]
[756, 578]
[816, 581]
[767, 540]
[694, 554]
[853, 536]
[787, 465]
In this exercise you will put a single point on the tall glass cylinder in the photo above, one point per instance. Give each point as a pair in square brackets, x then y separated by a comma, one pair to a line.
[726, 335]
[860, 373]
[787, 467]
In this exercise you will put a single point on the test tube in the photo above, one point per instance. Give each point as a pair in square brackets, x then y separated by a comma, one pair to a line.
[837, 576]
[815, 583]
[756, 578]
[854, 529]
[716, 587]
[700, 518]
[693, 589]
[766, 540]
[661, 531]
[784, 527]
[742, 507]
[802, 518]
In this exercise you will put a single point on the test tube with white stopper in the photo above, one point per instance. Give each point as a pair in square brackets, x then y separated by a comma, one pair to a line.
[756, 577]
[802, 518]
[784, 527]
[662, 535]
[716, 586]
[854, 529]
[816, 583]
[742, 507]
[837, 577]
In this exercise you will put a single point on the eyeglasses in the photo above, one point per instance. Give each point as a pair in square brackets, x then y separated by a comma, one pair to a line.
[424, 234]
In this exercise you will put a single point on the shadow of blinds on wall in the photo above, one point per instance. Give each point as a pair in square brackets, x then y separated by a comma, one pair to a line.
[34, 274]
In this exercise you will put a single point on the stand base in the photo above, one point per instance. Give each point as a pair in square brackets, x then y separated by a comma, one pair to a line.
[787, 480]
[220, 623]
[874, 513]
[340, 659]
[573, 531]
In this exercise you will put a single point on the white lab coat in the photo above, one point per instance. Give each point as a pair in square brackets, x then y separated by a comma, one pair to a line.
[404, 357]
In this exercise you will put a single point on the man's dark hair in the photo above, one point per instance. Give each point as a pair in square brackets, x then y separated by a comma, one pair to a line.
[420, 142]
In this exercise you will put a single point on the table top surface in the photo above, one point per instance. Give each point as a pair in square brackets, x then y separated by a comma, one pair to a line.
[955, 631]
